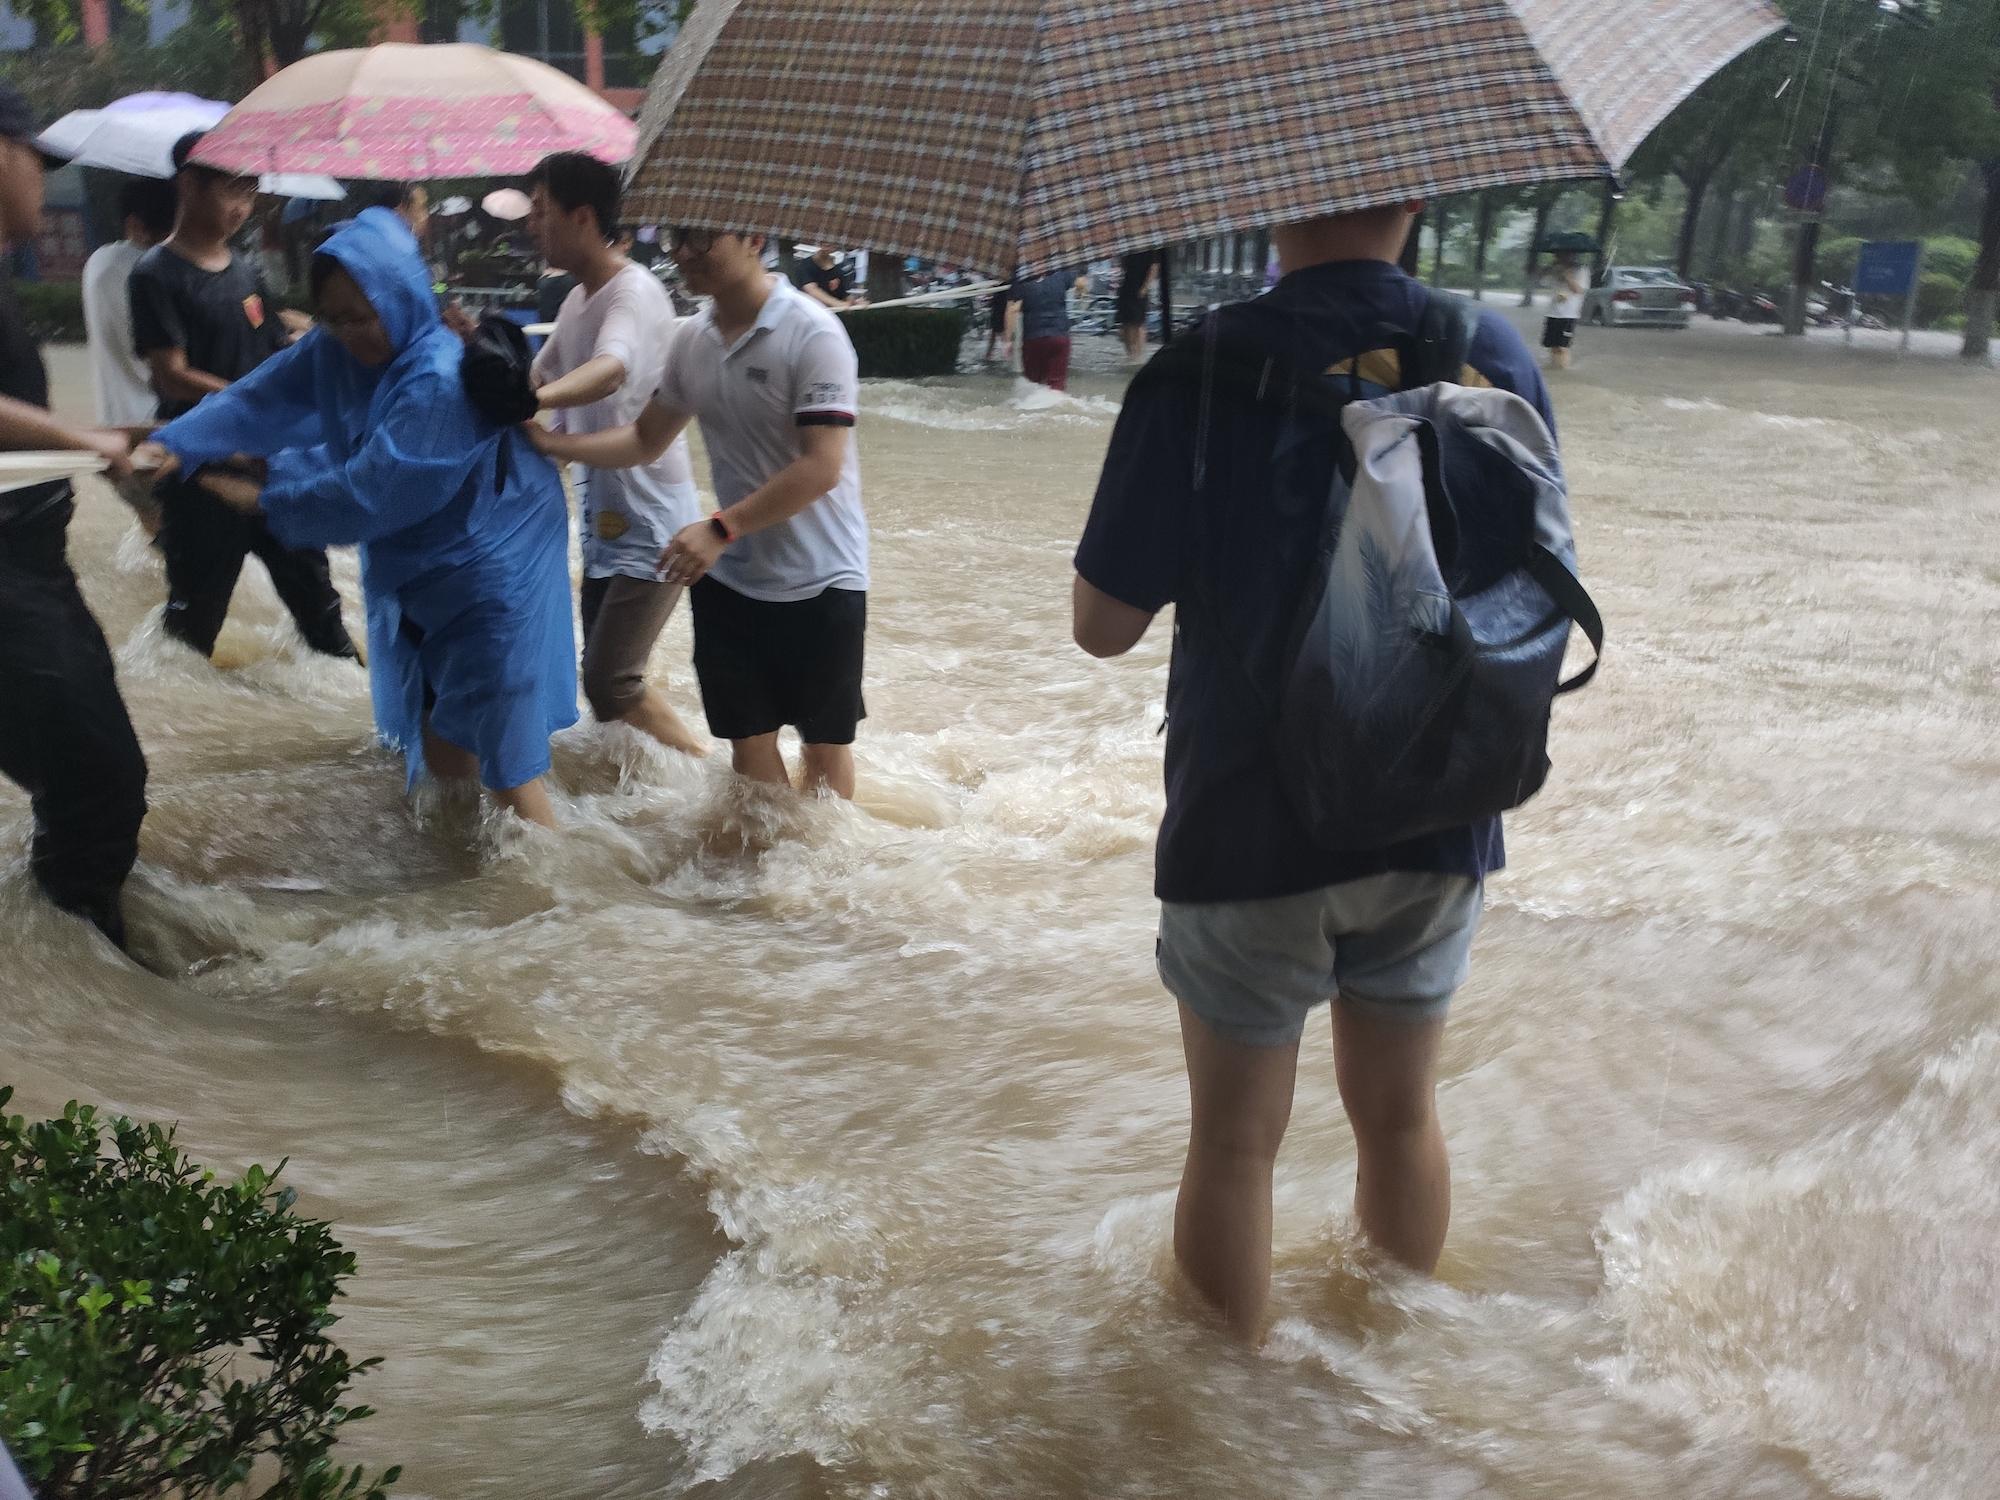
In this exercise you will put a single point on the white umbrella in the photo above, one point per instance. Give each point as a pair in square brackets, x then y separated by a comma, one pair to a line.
[136, 134]
[506, 203]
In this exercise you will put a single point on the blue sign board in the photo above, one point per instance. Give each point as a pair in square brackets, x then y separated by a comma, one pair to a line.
[1887, 268]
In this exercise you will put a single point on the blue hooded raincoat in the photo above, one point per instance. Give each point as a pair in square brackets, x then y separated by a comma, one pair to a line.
[466, 578]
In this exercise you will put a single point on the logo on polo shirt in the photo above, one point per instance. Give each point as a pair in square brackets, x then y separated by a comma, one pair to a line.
[825, 393]
[757, 375]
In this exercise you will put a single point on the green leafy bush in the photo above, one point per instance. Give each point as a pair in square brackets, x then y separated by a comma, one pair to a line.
[1939, 295]
[906, 343]
[1951, 255]
[162, 1332]
[54, 309]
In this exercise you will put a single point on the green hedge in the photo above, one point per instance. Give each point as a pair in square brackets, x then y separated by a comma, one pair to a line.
[162, 1329]
[906, 343]
[1939, 295]
[54, 309]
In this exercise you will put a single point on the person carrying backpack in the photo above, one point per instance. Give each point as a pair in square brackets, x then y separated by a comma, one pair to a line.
[378, 434]
[1215, 498]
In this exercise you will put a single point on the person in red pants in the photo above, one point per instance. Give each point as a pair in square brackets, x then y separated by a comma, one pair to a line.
[1038, 314]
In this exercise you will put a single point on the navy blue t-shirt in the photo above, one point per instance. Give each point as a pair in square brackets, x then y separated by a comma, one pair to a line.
[1233, 558]
[1044, 304]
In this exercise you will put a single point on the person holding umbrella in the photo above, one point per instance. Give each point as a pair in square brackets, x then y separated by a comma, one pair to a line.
[1260, 924]
[1566, 303]
[371, 439]
[119, 379]
[203, 318]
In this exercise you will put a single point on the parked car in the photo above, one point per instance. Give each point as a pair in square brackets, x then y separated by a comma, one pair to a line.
[1633, 296]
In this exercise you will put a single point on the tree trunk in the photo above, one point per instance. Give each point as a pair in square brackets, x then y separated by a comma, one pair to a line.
[1489, 211]
[1443, 230]
[1718, 234]
[1411, 259]
[1607, 223]
[1697, 195]
[1985, 289]
[886, 281]
[1805, 254]
[1545, 208]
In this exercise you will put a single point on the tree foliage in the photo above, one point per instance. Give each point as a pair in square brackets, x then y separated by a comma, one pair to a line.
[163, 1332]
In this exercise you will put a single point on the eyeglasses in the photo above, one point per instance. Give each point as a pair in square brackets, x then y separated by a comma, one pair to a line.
[697, 241]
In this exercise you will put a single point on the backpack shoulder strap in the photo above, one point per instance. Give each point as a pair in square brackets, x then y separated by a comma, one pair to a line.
[1443, 342]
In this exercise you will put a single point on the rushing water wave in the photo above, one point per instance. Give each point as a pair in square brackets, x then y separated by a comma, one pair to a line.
[730, 1146]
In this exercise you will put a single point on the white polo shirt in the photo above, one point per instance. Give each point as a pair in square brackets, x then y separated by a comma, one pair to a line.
[794, 368]
[629, 515]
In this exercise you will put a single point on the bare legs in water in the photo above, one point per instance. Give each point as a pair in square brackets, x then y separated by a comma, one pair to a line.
[529, 801]
[1242, 1102]
[828, 767]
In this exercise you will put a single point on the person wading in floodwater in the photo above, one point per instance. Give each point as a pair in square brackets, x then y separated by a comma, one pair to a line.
[1258, 924]
[65, 738]
[202, 317]
[598, 370]
[471, 655]
[778, 577]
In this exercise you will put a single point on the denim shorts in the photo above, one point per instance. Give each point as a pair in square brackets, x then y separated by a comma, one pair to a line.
[1395, 945]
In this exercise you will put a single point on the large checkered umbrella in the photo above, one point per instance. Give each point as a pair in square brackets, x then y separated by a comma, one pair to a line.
[997, 133]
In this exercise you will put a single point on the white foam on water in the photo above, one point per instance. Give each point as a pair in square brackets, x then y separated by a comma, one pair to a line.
[960, 408]
[1836, 1301]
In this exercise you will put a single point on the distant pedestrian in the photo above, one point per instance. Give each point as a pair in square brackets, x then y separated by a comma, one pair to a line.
[828, 281]
[409, 201]
[65, 738]
[1038, 315]
[1218, 510]
[1137, 274]
[778, 577]
[202, 318]
[598, 370]
[120, 381]
[997, 314]
[1565, 308]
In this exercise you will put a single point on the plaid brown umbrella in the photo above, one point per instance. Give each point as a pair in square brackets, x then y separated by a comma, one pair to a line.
[997, 133]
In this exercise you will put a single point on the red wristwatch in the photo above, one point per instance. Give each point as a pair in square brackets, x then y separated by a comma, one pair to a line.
[721, 528]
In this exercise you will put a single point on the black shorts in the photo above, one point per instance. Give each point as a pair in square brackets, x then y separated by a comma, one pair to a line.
[764, 665]
[1558, 333]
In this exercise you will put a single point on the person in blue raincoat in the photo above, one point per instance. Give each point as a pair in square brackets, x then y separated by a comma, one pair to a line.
[371, 439]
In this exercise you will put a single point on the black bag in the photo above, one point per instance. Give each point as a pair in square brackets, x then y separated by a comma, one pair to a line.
[496, 374]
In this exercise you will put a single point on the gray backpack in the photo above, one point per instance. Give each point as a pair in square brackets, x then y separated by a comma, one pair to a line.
[1427, 649]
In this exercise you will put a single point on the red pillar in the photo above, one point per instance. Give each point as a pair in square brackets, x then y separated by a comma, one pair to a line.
[96, 22]
[593, 59]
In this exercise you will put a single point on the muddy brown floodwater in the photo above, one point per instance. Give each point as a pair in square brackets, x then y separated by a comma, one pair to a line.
[720, 1148]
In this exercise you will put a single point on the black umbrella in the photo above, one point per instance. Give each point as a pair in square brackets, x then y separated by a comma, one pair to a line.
[1569, 242]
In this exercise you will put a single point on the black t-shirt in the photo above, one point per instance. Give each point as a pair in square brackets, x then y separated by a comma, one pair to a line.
[24, 377]
[1232, 558]
[829, 279]
[225, 320]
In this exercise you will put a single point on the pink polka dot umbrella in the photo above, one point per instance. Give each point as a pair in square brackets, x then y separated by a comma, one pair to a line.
[403, 112]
